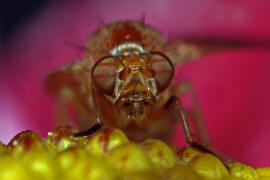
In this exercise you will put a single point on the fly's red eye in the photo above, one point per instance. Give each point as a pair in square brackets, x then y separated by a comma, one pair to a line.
[163, 70]
[103, 74]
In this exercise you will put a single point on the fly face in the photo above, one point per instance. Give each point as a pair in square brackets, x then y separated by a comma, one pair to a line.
[133, 80]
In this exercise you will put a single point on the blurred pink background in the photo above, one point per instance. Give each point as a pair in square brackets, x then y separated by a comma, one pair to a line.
[233, 86]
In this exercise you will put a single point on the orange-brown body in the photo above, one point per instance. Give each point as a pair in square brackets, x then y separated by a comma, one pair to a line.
[115, 84]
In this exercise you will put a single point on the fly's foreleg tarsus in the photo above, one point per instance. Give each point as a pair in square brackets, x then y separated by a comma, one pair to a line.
[90, 131]
[185, 125]
[183, 119]
[98, 124]
[194, 112]
[201, 148]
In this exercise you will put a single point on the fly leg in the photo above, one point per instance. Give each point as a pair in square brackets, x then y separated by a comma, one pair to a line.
[196, 117]
[185, 125]
[98, 124]
[194, 113]
[67, 98]
[72, 85]
[90, 131]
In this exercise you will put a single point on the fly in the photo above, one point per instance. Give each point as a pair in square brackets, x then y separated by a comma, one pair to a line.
[124, 81]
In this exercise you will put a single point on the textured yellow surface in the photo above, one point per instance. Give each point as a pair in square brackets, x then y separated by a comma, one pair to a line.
[108, 154]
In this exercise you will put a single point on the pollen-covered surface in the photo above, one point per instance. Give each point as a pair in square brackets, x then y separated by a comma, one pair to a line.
[108, 154]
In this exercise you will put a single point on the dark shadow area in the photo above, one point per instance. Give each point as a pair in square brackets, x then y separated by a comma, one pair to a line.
[16, 12]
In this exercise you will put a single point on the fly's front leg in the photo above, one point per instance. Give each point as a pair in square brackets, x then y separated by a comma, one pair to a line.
[90, 131]
[98, 124]
[194, 112]
[197, 119]
[184, 122]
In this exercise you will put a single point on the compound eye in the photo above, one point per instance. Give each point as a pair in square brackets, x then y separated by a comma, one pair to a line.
[103, 74]
[162, 68]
